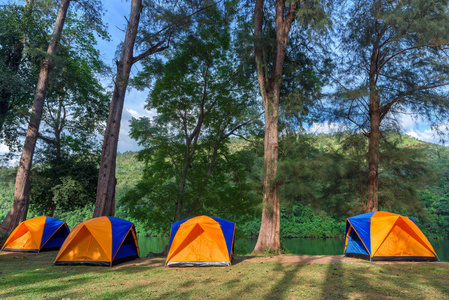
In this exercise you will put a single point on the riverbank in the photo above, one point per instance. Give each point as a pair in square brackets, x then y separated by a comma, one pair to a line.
[32, 276]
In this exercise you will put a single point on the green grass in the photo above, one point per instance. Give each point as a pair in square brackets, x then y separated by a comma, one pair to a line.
[32, 276]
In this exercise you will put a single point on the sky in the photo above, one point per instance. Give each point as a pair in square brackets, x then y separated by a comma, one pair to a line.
[115, 13]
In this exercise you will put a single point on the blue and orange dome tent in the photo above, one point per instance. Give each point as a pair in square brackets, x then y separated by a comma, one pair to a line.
[99, 241]
[386, 236]
[37, 234]
[201, 241]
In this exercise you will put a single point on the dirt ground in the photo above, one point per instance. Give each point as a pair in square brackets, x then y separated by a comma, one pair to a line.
[312, 259]
[286, 260]
[296, 259]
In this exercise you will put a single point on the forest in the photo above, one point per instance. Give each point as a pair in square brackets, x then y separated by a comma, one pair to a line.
[232, 91]
[301, 217]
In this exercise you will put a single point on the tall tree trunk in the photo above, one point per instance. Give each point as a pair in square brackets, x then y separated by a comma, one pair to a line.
[270, 227]
[373, 152]
[19, 210]
[105, 200]
[270, 88]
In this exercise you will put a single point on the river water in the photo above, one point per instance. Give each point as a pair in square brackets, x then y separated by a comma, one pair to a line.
[295, 246]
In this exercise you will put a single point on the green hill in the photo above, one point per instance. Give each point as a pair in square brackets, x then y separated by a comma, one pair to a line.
[301, 220]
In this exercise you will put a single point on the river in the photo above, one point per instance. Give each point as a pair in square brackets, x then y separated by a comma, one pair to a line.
[294, 246]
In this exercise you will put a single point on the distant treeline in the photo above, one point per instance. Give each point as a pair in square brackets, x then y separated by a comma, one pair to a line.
[322, 216]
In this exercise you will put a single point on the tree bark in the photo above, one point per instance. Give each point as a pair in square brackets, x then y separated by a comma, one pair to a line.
[19, 210]
[270, 227]
[374, 133]
[373, 152]
[270, 88]
[105, 200]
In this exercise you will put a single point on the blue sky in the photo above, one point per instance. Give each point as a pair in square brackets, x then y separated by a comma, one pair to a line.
[115, 12]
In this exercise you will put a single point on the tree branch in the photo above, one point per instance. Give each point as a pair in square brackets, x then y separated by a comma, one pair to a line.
[385, 108]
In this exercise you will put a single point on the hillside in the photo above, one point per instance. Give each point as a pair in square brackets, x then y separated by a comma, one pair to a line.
[434, 196]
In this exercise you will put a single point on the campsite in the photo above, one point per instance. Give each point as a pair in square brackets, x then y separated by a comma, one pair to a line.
[225, 149]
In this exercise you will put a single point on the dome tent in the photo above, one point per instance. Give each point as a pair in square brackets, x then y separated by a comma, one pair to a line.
[37, 234]
[99, 241]
[386, 236]
[201, 241]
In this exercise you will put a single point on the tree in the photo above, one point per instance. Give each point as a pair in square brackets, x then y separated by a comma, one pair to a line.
[202, 97]
[20, 27]
[18, 211]
[162, 22]
[394, 62]
[64, 185]
[65, 173]
[105, 199]
[270, 69]
[404, 171]
[76, 104]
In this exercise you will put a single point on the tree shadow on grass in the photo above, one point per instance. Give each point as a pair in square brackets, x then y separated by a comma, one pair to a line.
[440, 280]
[333, 286]
[241, 258]
[415, 279]
[42, 287]
[287, 281]
[366, 280]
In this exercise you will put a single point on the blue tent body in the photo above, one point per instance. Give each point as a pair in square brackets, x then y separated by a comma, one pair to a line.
[123, 242]
[358, 239]
[52, 238]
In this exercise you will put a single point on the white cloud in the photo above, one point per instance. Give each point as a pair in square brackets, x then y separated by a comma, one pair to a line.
[326, 127]
[430, 135]
[426, 135]
[3, 148]
[134, 113]
[13, 162]
[125, 142]
[407, 123]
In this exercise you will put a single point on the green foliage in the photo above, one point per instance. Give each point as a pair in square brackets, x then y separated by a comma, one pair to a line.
[76, 102]
[74, 217]
[304, 66]
[202, 98]
[7, 176]
[304, 221]
[63, 185]
[299, 220]
[393, 51]
[321, 215]
[18, 64]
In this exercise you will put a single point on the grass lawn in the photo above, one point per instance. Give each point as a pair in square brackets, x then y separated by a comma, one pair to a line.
[32, 276]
